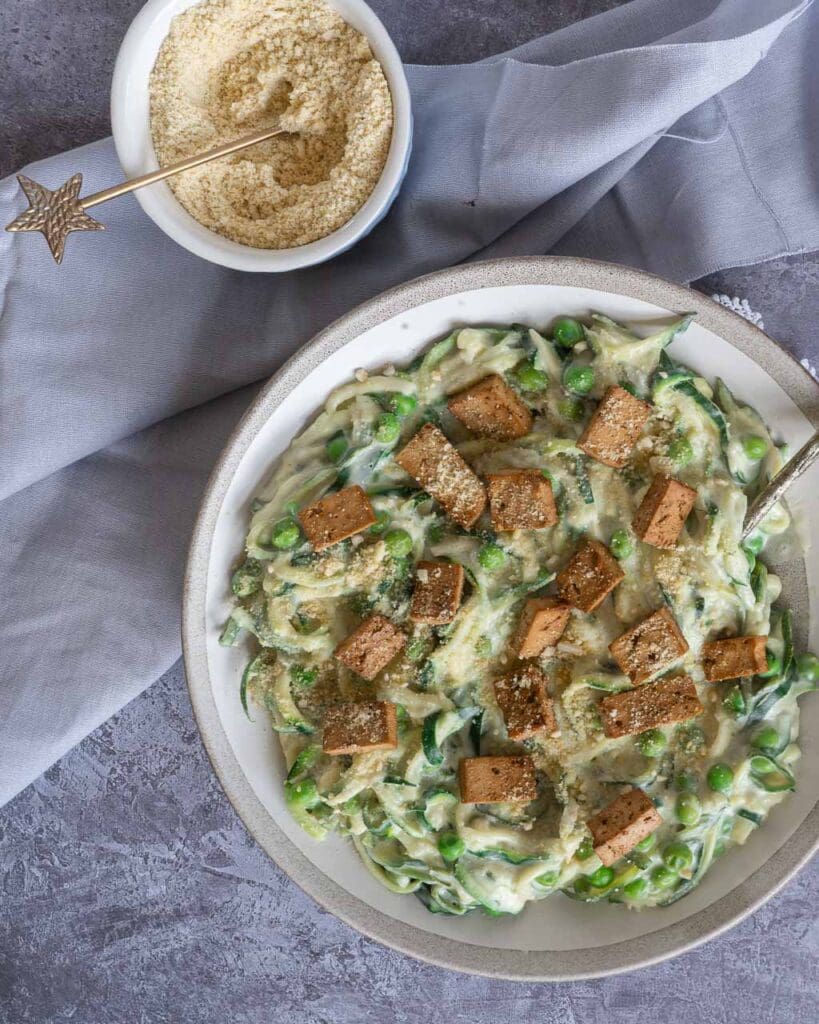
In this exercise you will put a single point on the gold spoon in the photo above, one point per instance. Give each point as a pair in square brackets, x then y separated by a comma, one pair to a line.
[56, 214]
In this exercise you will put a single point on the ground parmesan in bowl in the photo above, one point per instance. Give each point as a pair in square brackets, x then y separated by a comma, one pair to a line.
[232, 67]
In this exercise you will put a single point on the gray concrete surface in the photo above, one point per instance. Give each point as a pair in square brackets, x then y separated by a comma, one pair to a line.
[130, 891]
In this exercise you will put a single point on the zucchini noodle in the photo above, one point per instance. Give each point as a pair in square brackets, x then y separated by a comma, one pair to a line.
[401, 806]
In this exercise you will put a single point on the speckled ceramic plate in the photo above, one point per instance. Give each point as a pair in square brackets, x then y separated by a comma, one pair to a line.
[557, 939]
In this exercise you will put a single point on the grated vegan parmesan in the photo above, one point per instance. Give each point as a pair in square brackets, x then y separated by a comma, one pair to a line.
[232, 67]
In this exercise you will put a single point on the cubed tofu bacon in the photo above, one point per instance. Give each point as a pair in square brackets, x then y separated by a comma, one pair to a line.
[615, 428]
[525, 703]
[371, 647]
[497, 780]
[491, 408]
[336, 517]
[735, 657]
[541, 626]
[590, 576]
[651, 645]
[662, 513]
[437, 592]
[665, 702]
[622, 824]
[431, 460]
[521, 499]
[353, 728]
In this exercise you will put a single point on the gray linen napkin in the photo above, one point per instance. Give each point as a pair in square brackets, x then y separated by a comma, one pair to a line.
[675, 137]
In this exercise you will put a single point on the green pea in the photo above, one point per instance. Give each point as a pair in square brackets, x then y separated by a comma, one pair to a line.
[635, 888]
[652, 742]
[336, 448]
[451, 846]
[585, 850]
[382, 521]
[754, 543]
[766, 739]
[567, 332]
[734, 701]
[720, 777]
[762, 765]
[387, 428]
[680, 452]
[403, 405]
[807, 665]
[548, 880]
[399, 543]
[754, 447]
[285, 534]
[620, 544]
[685, 782]
[491, 557]
[302, 794]
[601, 877]
[663, 877]
[688, 808]
[530, 378]
[582, 886]
[579, 379]
[646, 844]
[678, 857]
[571, 409]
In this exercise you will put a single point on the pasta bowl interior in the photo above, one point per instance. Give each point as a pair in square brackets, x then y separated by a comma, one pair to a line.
[558, 937]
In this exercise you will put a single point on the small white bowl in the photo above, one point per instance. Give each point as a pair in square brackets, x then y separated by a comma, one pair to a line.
[130, 123]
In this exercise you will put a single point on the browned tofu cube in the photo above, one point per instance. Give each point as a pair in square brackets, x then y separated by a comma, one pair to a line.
[663, 511]
[351, 728]
[497, 780]
[615, 427]
[651, 645]
[621, 825]
[337, 517]
[437, 592]
[440, 470]
[521, 499]
[541, 625]
[525, 703]
[662, 703]
[371, 647]
[730, 659]
[592, 573]
[491, 408]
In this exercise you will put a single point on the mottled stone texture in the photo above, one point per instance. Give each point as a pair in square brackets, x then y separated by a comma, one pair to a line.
[129, 890]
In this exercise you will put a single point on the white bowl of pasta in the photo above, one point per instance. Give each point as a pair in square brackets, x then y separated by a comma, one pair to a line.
[524, 885]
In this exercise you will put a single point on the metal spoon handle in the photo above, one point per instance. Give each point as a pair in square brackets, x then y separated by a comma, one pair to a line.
[765, 500]
[180, 165]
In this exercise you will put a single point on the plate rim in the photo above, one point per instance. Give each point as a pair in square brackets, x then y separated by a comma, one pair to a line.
[453, 954]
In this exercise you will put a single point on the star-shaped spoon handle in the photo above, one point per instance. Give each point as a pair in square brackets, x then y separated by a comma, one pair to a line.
[57, 213]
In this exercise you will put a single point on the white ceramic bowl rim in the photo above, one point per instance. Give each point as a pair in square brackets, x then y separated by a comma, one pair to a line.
[513, 964]
[130, 125]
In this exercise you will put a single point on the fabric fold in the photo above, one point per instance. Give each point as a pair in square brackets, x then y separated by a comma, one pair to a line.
[562, 145]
